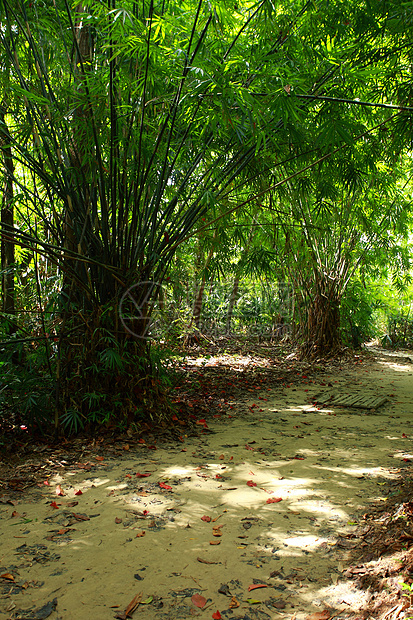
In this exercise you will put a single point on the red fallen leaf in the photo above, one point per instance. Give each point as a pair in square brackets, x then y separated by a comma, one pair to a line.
[15, 514]
[126, 447]
[151, 447]
[141, 440]
[299, 458]
[139, 475]
[118, 520]
[46, 482]
[165, 486]
[198, 600]
[79, 492]
[100, 458]
[217, 615]
[404, 436]
[255, 586]
[250, 483]
[247, 447]
[54, 505]
[145, 512]
[218, 476]
[202, 422]
[7, 576]
[59, 490]
[274, 500]
[128, 476]
[206, 518]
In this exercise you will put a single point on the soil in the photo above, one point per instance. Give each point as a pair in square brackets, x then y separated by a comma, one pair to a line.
[270, 503]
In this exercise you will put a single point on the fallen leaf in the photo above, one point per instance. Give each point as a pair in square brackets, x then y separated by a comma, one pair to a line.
[125, 447]
[319, 615]
[7, 576]
[71, 504]
[15, 514]
[165, 486]
[250, 483]
[198, 600]
[133, 605]
[100, 458]
[255, 586]
[79, 492]
[206, 561]
[206, 518]
[273, 500]
[139, 475]
[118, 520]
[221, 457]
[252, 601]
[80, 517]
[217, 615]
[54, 505]
[59, 490]
[140, 534]
[234, 603]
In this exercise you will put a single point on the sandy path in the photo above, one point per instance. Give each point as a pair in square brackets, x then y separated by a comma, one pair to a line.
[129, 535]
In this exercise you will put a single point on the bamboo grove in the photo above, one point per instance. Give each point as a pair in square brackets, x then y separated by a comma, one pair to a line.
[137, 137]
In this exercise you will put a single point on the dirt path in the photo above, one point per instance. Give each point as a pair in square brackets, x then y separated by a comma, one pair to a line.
[266, 496]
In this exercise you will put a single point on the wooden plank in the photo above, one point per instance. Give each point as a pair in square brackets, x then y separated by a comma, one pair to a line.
[358, 401]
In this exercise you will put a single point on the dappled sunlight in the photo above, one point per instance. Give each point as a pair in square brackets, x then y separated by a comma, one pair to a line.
[356, 472]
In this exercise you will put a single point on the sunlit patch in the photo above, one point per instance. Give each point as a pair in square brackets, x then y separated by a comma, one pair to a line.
[179, 471]
[118, 487]
[305, 541]
[356, 472]
[402, 455]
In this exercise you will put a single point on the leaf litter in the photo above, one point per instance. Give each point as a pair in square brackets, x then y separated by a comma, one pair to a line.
[311, 520]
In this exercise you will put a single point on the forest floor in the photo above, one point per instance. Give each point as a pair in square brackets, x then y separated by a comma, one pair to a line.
[268, 505]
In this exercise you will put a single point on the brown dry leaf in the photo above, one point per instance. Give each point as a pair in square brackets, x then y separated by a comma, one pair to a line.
[216, 519]
[140, 534]
[214, 542]
[100, 458]
[206, 518]
[72, 504]
[118, 520]
[221, 457]
[216, 530]
[319, 615]
[80, 517]
[15, 514]
[234, 603]
[7, 576]
[64, 530]
[207, 561]
[133, 605]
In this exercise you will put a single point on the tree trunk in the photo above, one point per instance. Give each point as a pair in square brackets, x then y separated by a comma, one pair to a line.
[323, 337]
[7, 221]
[233, 299]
